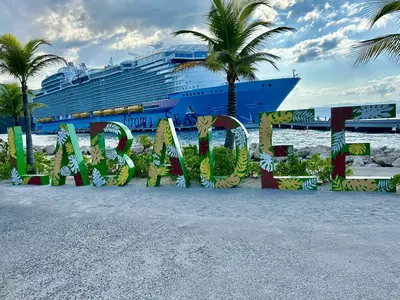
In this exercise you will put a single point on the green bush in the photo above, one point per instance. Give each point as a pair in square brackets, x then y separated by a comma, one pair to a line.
[254, 170]
[192, 161]
[224, 161]
[145, 141]
[292, 167]
[5, 168]
[321, 168]
[142, 164]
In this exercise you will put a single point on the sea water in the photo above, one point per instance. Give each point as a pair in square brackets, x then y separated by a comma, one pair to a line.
[297, 138]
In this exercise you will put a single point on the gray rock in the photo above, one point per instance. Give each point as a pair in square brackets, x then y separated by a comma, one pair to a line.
[85, 150]
[388, 151]
[253, 146]
[320, 149]
[256, 154]
[376, 151]
[148, 150]
[349, 159]
[304, 152]
[325, 155]
[383, 148]
[50, 149]
[358, 162]
[385, 160]
[396, 163]
[38, 148]
[368, 160]
[137, 148]
[280, 159]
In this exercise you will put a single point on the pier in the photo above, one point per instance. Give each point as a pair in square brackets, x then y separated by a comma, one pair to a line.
[368, 126]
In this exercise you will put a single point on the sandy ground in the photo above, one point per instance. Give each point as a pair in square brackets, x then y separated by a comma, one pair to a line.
[168, 243]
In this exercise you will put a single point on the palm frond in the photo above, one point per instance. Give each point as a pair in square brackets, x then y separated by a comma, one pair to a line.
[35, 105]
[369, 50]
[253, 45]
[200, 35]
[33, 45]
[249, 8]
[44, 61]
[387, 8]
[259, 57]
[189, 65]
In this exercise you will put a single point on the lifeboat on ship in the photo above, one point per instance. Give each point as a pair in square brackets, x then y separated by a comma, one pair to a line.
[135, 108]
[45, 120]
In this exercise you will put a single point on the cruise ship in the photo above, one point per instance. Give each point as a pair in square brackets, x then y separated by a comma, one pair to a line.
[143, 89]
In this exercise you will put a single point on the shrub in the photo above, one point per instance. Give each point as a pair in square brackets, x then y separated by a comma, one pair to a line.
[224, 161]
[142, 164]
[145, 141]
[5, 168]
[292, 167]
[321, 168]
[192, 161]
[254, 170]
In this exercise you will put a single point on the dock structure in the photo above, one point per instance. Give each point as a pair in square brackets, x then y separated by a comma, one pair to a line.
[369, 126]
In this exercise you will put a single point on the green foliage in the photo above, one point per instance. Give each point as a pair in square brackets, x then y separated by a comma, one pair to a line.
[192, 161]
[43, 164]
[321, 168]
[5, 167]
[292, 167]
[145, 141]
[224, 161]
[11, 102]
[254, 170]
[88, 163]
[142, 164]
[395, 180]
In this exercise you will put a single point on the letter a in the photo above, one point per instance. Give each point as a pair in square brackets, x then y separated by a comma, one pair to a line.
[68, 160]
[167, 143]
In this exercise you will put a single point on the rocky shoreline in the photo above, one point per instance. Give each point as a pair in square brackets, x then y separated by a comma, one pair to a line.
[380, 157]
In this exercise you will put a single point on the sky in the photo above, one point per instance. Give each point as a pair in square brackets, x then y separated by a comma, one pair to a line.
[92, 31]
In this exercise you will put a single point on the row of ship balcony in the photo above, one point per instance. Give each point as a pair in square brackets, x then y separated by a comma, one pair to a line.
[104, 112]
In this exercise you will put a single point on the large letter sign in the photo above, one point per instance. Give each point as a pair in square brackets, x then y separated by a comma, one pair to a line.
[208, 180]
[268, 151]
[100, 154]
[68, 160]
[167, 143]
[340, 149]
[17, 161]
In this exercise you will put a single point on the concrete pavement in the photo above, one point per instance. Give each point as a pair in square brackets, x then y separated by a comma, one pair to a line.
[168, 243]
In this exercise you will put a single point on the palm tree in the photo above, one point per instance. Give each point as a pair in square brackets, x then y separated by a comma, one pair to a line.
[236, 38]
[11, 102]
[389, 45]
[23, 62]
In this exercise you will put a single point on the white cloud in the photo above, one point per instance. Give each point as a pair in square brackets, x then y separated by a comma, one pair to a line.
[283, 4]
[133, 39]
[327, 6]
[310, 16]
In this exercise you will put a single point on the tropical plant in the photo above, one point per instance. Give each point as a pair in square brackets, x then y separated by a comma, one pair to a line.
[234, 44]
[24, 62]
[11, 102]
[389, 45]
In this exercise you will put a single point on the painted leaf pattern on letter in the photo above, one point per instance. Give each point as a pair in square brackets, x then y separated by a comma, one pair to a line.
[98, 180]
[309, 185]
[123, 175]
[205, 168]
[206, 183]
[374, 111]
[240, 137]
[266, 162]
[112, 128]
[338, 141]
[73, 164]
[280, 117]
[365, 185]
[357, 149]
[303, 116]
[97, 155]
[15, 178]
[289, 183]
[11, 143]
[203, 125]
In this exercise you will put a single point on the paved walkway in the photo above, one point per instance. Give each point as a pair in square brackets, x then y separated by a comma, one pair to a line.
[168, 243]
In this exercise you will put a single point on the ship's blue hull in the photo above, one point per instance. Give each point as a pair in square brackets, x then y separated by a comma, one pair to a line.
[252, 98]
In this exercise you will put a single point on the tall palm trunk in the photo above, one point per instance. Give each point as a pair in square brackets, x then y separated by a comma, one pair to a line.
[30, 159]
[16, 121]
[231, 112]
